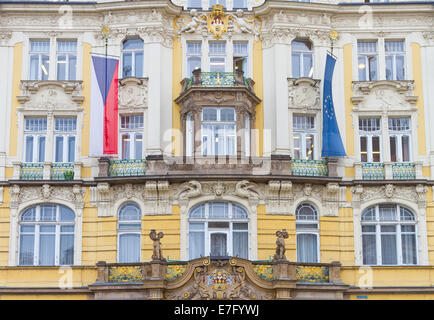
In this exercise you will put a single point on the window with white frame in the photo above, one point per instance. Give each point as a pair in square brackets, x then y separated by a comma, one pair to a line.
[129, 231]
[189, 128]
[132, 137]
[370, 139]
[194, 56]
[194, 4]
[218, 131]
[132, 58]
[395, 59]
[46, 236]
[241, 54]
[214, 2]
[389, 235]
[304, 135]
[218, 229]
[239, 4]
[217, 56]
[302, 58]
[307, 228]
[35, 134]
[65, 132]
[400, 139]
[367, 52]
[66, 59]
[39, 55]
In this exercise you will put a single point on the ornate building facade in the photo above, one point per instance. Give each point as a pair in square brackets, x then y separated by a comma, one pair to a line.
[218, 190]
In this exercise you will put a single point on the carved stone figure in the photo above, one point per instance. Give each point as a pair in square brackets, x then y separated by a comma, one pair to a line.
[157, 255]
[196, 21]
[280, 245]
[46, 191]
[389, 189]
[245, 189]
[243, 24]
[190, 189]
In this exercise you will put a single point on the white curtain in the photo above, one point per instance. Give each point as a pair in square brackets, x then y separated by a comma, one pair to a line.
[218, 244]
[46, 249]
[307, 247]
[408, 249]
[129, 247]
[240, 244]
[388, 249]
[67, 249]
[27, 243]
[196, 244]
[369, 249]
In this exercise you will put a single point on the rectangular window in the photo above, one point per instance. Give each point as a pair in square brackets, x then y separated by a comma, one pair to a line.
[194, 56]
[64, 139]
[395, 59]
[194, 4]
[307, 247]
[214, 2]
[218, 131]
[39, 55]
[399, 138]
[132, 58]
[370, 135]
[129, 247]
[240, 4]
[304, 137]
[367, 60]
[241, 56]
[196, 240]
[217, 56]
[35, 131]
[66, 59]
[132, 137]
[302, 59]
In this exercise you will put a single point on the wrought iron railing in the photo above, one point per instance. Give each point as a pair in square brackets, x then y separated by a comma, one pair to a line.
[122, 168]
[301, 167]
[373, 171]
[32, 171]
[404, 170]
[62, 171]
[218, 79]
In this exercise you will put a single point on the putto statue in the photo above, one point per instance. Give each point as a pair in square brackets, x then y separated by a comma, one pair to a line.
[280, 245]
[196, 21]
[243, 24]
[157, 255]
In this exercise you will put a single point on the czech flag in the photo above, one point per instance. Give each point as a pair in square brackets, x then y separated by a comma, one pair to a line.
[104, 106]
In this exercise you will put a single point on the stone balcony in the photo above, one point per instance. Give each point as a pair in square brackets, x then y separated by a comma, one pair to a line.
[388, 170]
[47, 170]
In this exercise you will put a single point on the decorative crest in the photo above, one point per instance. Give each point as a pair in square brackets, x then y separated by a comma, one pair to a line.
[218, 21]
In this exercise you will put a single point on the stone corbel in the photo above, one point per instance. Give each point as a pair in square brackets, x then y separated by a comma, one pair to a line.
[279, 199]
[100, 197]
[331, 200]
[421, 191]
[156, 197]
[163, 198]
[357, 192]
[78, 192]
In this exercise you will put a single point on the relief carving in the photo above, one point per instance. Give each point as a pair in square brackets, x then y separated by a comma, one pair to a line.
[133, 94]
[304, 94]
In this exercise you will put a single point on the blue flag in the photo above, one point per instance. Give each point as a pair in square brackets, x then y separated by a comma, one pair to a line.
[331, 138]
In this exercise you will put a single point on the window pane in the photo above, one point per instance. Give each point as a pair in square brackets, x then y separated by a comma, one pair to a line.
[376, 149]
[72, 67]
[193, 63]
[27, 243]
[309, 147]
[307, 65]
[217, 47]
[196, 244]
[209, 114]
[239, 4]
[127, 64]
[194, 47]
[409, 249]
[240, 244]
[125, 146]
[387, 212]
[240, 226]
[59, 149]
[67, 249]
[29, 214]
[296, 64]
[61, 67]
[129, 212]
[393, 149]
[71, 149]
[46, 249]
[218, 244]
[238, 212]
[29, 149]
[138, 72]
[218, 210]
[66, 214]
[197, 226]
[373, 74]
[45, 67]
[227, 114]
[129, 248]
[138, 146]
[388, 249]
[129, 226]
[301, 45]
[41, 154]
[362, 68]
[369, 249]
[389, 68]
[307, 248]
[133, 44]
[363, 149]
[48, 212]
[405, 148]
[400, 67]
[34, 67]
[297, 146]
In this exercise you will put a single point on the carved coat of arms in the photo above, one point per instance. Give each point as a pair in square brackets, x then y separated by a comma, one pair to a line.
[218, 21]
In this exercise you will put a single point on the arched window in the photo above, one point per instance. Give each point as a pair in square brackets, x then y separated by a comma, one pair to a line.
[46, 235]
[389, 235]
[129, 230]
[218, 229]
[132, 58]
[307, 233]
[302, 60]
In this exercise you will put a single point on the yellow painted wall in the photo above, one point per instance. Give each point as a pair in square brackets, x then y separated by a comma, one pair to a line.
[418, 92]
[16, 91]
[4, 228]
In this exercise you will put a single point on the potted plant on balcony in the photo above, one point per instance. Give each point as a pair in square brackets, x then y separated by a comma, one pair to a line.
[68, 175]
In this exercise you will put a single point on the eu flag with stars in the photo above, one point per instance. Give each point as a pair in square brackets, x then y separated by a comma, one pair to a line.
[331, 138]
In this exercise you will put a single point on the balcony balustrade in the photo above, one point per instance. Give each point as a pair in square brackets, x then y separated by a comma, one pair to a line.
[388, 170]
[404, 171]
[47, 171]
[127, 168]
[312, 168]
[373, 171]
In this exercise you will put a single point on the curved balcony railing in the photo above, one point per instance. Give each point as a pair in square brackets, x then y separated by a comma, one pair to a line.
[126, 168]
[32, 171]
[313, 168]
[373, 171]
[217, 79]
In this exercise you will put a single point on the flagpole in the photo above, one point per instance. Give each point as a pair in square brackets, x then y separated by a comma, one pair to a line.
[105, 31]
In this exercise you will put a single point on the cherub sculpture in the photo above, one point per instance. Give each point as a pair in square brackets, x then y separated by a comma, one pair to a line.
[280, 245]
[243, 24]
[157, 255]
[195, 22]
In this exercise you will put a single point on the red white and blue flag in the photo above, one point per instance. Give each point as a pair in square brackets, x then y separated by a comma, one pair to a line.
[104, 106]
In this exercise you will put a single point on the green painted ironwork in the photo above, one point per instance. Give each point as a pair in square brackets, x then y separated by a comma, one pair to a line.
[31, 171]
[132, 167]
[62, 171]
[404, 170]
[301, 167]
[373, 171]
[312, 274]
[217, 79]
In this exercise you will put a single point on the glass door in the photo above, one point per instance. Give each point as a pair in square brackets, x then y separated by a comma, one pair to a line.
[218, 244]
